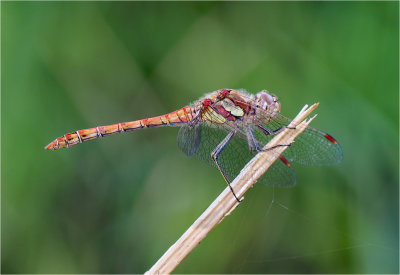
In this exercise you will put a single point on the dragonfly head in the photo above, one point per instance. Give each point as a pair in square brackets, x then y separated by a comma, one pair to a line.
[268, 104]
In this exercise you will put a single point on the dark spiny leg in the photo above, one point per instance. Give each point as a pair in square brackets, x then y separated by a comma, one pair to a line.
[215, 154]
[268, 132]
[273, 147]
[253, 144]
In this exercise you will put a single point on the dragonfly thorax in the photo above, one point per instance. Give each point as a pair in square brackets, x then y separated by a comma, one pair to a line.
[267, 106]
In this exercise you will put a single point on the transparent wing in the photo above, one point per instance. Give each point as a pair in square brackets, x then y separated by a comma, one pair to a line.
[311, 148]
[189, 139]
[200, 140]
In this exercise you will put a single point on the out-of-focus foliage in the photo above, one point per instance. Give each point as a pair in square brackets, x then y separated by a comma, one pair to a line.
[115, 205]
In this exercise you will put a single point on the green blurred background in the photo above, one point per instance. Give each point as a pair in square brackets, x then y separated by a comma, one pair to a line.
[115, 205]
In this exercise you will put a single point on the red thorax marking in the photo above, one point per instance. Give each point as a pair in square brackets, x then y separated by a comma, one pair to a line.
[206, 103]
[223, 93]
[223, 112]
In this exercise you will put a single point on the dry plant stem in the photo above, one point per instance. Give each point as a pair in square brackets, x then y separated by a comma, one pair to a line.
[225, 203]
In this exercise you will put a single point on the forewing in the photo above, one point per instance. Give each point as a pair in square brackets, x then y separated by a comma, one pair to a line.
[311, 148]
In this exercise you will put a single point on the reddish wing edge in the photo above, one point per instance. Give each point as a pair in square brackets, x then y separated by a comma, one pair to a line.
[330, 138]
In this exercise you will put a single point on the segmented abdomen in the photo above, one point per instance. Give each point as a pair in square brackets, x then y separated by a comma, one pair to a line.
[178, 117]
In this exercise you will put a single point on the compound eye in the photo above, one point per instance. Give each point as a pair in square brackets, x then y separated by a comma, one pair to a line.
[268, 98]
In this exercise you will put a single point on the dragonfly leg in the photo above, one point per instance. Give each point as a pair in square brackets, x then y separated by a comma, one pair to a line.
[253, 144]
[215, 154]
[268, 132]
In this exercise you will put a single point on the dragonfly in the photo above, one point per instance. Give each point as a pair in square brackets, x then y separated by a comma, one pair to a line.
[226, 129]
